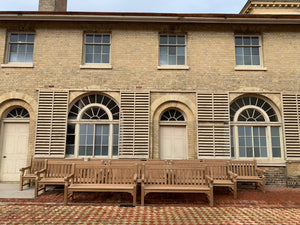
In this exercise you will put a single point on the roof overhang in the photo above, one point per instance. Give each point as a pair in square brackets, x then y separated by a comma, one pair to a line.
[270, 4]
[148, 17]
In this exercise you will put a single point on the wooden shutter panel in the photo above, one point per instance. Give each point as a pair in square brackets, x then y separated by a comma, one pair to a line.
[213, 126]
[134, 125]
[291, 115]
[51, 123]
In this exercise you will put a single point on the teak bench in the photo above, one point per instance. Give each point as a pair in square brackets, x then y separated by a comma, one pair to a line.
[101, 178]
[222, 176]
[176, 179]
[247, 171]
[28, 173]
[53, 174]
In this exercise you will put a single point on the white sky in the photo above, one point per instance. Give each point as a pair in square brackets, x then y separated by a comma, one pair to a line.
[159, 6]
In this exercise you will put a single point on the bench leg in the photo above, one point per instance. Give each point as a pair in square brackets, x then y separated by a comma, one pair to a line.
[21, 184]
[142, 196]
[36, 189]
[66, 195]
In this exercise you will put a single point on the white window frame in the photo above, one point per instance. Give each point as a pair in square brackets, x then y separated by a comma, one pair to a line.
[250, 67]
[100, 65]
[269, 160]
[7, 62]
[176, 66]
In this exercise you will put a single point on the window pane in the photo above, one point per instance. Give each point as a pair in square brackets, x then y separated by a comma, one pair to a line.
[242, 141]
[247, 51]
[163, 39]
[98, 140]
[22, 38]
[163, 60]
[275, 131]
[105, 58]
[29, 57]
[105, 129]
[97, 151]
[172, 60]
[248, 131]
[89, 49]
[13, 47]
[255, 60]
[90, 129]
[81, 150]
[98, 39]
[180, 50]
[276, 152]
[239, 50]
[115, 150]
[14, 37]
[29, 48]
[13, 57]
[181, 40]
[105, 150]
[89, 39]
[172, 40]
[106, 49]
[255, 51]
[22, 48]
[105, 140]
[97, 49]
[21, 57]
[238, 40]
[242, 151]
[163, 50]
[241, 131]
[106, 39]
[89, 150]
[255, 41]
[97, 58]
[239, 60]
[264, 152]
[180, 60]
[70, 150]
[246, 40]
[256, 152]
[247, 60]
[172, 50]
[30, 37]
[249, 152]
[263, 141]
[89, 58]
[249, 141]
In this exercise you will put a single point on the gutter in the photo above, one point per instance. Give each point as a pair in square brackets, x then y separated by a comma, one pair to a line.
[148, 17]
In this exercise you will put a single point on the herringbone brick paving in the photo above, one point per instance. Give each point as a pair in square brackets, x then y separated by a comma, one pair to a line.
[276, 206]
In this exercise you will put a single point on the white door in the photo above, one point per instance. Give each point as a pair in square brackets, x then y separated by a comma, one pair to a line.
[14, 150]
[173, 142]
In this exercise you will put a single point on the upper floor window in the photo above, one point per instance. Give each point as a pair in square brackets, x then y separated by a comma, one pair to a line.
[97, 48]
[248, 51]
[172, 50]
[20, 47]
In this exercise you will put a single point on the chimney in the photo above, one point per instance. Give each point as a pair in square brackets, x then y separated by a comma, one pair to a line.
[53, 5]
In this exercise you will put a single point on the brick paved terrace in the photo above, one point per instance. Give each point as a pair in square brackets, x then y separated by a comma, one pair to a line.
[276, 206]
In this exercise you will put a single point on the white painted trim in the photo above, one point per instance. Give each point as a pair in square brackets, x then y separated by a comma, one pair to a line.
[96, 66]
[17, 65]
[173, 67]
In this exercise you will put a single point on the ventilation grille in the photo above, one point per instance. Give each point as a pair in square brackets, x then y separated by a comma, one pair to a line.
[291, 114]
[213, 126]
[134, 125]
[51, 123]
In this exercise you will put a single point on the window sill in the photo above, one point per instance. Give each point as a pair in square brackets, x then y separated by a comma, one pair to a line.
[17, 65]
[95, 66]
[253, 68]
[173, 67]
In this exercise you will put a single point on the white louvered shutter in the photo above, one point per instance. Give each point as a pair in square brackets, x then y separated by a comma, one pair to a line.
[51, 123]
[291, 115]
[213, 126]
[134, 125]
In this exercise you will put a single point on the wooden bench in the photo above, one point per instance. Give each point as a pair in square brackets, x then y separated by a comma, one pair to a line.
[222, 176]
[27, 174]
[247, 171]
[176, 179]
[53, 174]
[101, 178]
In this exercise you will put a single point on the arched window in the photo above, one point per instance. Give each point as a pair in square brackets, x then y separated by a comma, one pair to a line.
[255, 129]
[172, 115]
[18, 113]
[93, 127]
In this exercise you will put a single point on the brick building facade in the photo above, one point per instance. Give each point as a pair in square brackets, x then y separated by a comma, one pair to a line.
[146, 85]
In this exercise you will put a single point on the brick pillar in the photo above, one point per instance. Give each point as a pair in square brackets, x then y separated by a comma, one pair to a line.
[53, 5]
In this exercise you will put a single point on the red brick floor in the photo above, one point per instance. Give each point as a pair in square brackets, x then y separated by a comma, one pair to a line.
[276, 206]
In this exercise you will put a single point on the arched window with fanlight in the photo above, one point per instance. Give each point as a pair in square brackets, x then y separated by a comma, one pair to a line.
[255, 129]
[93, 127]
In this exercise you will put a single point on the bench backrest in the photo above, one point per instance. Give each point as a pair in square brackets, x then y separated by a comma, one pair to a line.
[174, 175]
[58, 169]
[243, 167]
[104, 174]
[36, 164]
[218, 170]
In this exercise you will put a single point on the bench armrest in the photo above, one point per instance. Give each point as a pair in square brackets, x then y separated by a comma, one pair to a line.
[135, 178]
[209, 180]
[38, 173]
[260, 172]
[69, 179]
[22, 170]
[232, 175]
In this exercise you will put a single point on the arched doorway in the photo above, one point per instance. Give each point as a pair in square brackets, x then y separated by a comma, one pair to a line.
[173, 135]
[14, 143]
